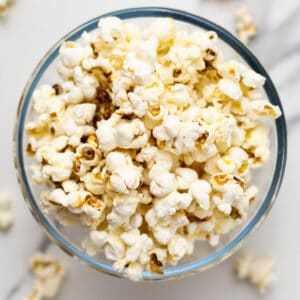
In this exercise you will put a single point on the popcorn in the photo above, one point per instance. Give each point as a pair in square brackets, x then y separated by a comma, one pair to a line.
[163, 36]
[163, 184]
[200, 190]
[179, 138]
[257, 143]
[111, 29]
[258, 272]
[114, 248]
[134, 271]
[185, 177]
[49, 273]
[4, 5]
[71, 54]
[148, 142]
[178, 247]
[58, 166]
[230, 88]
[171, 203]
[75, 120]
[6, 218]
[126, 135]
[245, 25]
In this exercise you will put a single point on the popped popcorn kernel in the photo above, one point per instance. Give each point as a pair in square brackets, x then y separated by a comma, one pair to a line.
[245, 26]
[258, 271]
[48, 274]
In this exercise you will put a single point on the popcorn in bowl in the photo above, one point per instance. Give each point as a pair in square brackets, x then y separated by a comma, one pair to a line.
[148, 141]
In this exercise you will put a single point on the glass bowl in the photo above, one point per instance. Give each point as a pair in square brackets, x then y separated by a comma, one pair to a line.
[268, 178]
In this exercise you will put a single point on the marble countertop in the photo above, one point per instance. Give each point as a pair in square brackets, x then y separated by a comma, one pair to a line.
[31, 27]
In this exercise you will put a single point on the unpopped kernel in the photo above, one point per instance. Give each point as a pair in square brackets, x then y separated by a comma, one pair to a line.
[148, 141]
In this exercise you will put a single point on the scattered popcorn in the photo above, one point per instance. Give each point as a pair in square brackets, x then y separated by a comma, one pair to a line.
[6, 217]
[4, 5]
[149, 142]
[48, 273]
[245, 26]
[259, 272]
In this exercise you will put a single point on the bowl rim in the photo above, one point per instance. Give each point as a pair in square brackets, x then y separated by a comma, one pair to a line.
[246, 54]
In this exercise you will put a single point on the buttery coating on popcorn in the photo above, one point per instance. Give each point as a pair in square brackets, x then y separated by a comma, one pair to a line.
[149, 141]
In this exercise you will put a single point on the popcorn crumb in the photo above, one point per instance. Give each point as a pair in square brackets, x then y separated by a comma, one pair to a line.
[48, 273]
[245, 26]
[258, 271]
[6, 217]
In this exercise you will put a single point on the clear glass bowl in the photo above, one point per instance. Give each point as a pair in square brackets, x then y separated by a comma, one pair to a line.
[268, 178]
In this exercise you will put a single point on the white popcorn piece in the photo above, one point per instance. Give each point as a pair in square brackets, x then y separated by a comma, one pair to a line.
[115, 248]
[230, 88]
[6, 217]
[214, 240]
[200, 190]
[140, 71]
[49, 273]
[71, 54]
[171, 203]
[127, 135]
[75, 120]
[178, 247]
[95, 182]
[101, 62]
[163, 184]
[58, 166]
[70, 186]
[163, 36]
[265, 109]
[134, 271]
[185, 177]
[182, 140]
[236, 70]
[245, 26]
[111, 29]
[258, 271]
[257, 142]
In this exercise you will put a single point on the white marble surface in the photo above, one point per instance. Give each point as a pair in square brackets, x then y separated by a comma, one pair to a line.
[31, 27]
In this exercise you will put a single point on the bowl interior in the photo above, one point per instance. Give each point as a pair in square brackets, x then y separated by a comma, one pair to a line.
[267, 178]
